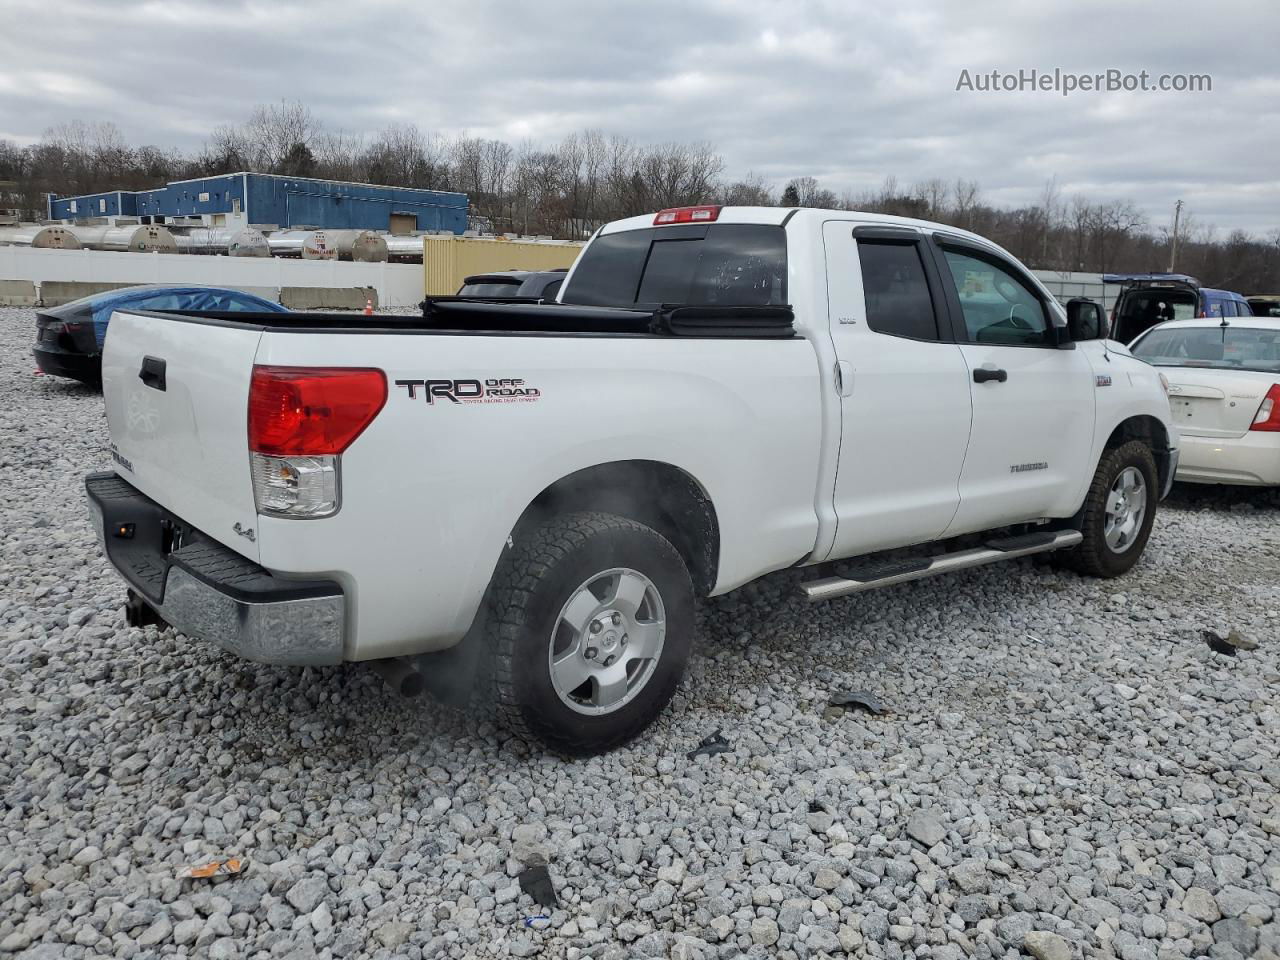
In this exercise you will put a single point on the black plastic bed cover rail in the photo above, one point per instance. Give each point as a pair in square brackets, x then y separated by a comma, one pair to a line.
[499, 317]
[672, 320]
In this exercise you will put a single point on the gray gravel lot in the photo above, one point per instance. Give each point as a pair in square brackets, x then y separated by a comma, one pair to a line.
[1068, 769]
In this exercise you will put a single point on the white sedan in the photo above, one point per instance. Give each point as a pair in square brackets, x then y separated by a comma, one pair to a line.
[1224, 389]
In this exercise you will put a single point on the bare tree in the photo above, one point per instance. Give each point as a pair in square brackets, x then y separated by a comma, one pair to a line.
[933, 193]
[966, 203]
[751, 191]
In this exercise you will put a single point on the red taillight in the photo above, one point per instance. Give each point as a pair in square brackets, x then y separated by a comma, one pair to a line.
[1268, 415]
[704, 214]
[311, 411]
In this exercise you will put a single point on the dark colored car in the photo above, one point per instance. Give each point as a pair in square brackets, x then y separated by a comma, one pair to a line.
[1150, 298]
[69, 338]
[1265, 304]
[514, 285]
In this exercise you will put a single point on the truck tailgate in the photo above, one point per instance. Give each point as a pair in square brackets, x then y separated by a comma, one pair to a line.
[177, 396]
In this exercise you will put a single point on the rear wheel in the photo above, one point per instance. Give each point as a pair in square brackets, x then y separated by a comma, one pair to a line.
[590, 627]
[1118, 512]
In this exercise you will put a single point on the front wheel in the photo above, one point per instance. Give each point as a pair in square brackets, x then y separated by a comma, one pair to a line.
[1118, 512]
[590, 626]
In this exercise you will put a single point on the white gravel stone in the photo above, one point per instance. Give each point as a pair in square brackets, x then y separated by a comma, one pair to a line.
[764, 931]
[1055, 757]
[1046, 946]
[926, 828]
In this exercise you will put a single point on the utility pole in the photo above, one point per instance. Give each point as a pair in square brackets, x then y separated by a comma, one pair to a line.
[1173, 254]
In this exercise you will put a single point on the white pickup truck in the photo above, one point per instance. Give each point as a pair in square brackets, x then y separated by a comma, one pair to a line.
[536, 494]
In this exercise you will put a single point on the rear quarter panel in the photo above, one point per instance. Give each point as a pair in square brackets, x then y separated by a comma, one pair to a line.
[431, 491]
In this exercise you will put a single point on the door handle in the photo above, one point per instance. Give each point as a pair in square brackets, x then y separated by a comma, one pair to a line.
[152, 373]
[986, 375]
[844, 378]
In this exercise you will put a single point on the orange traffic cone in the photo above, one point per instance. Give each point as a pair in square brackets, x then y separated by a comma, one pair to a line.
[368, 307]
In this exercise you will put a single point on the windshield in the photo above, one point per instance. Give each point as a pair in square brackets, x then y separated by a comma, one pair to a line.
[1223, 348]
[723, 264]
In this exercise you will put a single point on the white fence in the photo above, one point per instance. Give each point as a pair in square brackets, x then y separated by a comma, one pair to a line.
[1064, 286]
[398, 284]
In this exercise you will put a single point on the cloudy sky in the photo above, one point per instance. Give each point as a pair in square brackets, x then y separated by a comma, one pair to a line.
[848, 92]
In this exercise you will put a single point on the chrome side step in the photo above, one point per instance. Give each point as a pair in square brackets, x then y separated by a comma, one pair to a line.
[903, 572]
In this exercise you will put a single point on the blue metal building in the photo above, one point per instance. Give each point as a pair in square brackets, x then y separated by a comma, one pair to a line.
[259, 198]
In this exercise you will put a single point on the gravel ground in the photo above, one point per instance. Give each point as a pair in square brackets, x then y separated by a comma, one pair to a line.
[1067, 770]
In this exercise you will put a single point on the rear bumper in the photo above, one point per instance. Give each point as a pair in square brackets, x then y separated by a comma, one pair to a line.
[208, 591]
[1252, 460]
[77, 366]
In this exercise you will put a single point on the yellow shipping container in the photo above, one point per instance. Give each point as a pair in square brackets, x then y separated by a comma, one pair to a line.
[447, 261]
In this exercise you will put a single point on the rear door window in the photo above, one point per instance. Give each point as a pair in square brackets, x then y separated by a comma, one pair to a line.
[1243, 309]
[1214, 307]
[896, 290]
[725, 264]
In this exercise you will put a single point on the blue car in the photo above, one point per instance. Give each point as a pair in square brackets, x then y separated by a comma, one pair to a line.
[69, 338]
[1150, 298]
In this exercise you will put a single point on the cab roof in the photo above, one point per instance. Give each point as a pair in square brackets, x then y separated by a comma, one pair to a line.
[782, 216]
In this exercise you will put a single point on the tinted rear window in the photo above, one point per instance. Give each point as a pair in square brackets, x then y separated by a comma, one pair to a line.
[496, 288]
[723, 264]
[1222, 348]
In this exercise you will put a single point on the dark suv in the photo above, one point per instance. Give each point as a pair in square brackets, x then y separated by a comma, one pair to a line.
[1150, 298]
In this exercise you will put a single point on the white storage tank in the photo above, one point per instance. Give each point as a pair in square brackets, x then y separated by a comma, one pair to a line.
[149, 238]
[363, 246]
[221, 241]
[40, 237]
[402, 249]
[304, 244]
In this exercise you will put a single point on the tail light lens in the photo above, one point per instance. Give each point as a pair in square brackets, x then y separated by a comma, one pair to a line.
[312, 411]
[1268, 416]
[301, 419]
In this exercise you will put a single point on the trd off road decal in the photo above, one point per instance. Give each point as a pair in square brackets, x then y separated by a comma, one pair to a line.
[491, 390]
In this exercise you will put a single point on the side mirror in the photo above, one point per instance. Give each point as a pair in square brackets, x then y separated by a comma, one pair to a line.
[1084, 319]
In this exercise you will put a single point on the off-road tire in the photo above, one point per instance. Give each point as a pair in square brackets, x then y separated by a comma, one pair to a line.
[1093, 556]
[537, 574]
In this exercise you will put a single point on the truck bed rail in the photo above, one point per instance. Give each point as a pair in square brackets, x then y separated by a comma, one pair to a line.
[461, 315]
